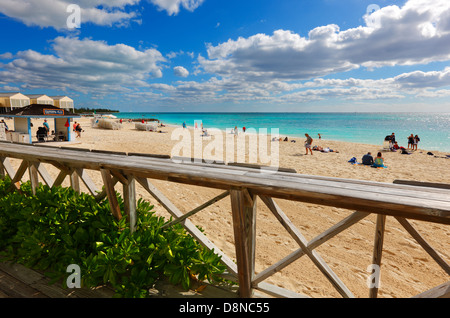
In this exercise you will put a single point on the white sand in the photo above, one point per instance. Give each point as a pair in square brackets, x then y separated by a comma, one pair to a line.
[407, 269]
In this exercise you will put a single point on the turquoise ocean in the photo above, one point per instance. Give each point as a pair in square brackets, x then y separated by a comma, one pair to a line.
[369, 128]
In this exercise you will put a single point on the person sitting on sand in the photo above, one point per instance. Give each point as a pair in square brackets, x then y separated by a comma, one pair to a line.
[379, 161]
[367, 159]
[308, 143]
[395, 146]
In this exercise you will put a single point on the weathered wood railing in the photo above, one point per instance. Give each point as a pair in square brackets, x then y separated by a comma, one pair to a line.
[244, 185]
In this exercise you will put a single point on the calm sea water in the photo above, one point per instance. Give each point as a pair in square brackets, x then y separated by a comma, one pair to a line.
[370, 128]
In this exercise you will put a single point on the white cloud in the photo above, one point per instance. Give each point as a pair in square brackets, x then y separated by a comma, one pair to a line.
[180, 71]
[84, 65]
[229, 89]
[6, 56]
[419, 79]
[173, 6]
[53, 13]
[417, 33]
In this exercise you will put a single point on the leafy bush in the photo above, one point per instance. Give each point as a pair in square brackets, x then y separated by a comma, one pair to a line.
[58, 227]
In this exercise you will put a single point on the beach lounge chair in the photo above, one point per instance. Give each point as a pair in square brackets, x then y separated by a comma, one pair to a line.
[386, 145]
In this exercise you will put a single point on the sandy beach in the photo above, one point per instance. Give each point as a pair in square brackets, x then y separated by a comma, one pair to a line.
[407, 269]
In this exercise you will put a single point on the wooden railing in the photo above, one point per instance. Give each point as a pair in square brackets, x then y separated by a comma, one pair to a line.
[243, 184]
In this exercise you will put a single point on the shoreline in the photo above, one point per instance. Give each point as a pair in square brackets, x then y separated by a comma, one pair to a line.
[302, 138]
[367, 127]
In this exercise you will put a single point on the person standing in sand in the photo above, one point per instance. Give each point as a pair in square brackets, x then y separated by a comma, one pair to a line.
[47, 127]
[416, 142]
[308, 144]
[411, 142]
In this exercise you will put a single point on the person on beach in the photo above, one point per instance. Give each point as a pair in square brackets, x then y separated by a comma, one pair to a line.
[4, 124]
[184, 124]
[47, 127]
[78, 130]
[379, 161]
[416, 142]
[320, 137]
[243, 129]
[308, 144]
[411, 141]
[367, 159]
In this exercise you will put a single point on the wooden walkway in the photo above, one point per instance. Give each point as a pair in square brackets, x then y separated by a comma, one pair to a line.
[244, 186]
[17, 281]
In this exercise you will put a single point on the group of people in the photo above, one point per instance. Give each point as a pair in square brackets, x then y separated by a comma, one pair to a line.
[309, 148]
[413, 142]
[77, 129]
[378, 162]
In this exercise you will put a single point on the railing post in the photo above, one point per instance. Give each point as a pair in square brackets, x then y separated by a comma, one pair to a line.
[33, 177]
[74, 180]
[377, 253]
[244, 211]
[129, 198]
[2, 170]
[111, 194]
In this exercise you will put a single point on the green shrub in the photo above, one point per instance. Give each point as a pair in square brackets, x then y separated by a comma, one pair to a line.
[58, 227]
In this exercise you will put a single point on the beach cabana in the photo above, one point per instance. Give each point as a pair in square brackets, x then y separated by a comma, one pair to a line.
[12, 100]
[40, 99]
[64, 102]
[22, 122]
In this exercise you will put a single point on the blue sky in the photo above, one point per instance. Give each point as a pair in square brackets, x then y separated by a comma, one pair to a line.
[248, 55]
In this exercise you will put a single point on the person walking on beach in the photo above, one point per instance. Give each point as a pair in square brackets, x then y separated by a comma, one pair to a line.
[184, 124]
[78, 130]
[308, 144]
